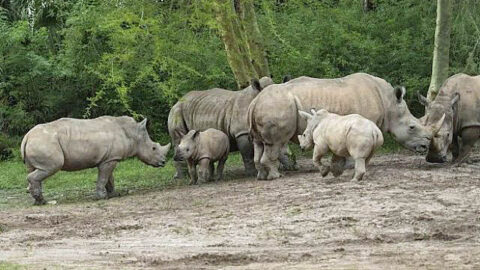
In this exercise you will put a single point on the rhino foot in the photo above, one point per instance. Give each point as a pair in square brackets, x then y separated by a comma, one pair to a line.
[250, 172]
[101, 195]
[40, 202]
[113, 194]
[262, 175]
[324, 170]
[273, 175]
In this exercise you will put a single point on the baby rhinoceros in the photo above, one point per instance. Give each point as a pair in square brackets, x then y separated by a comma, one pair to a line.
[75, 144]
[203, 149]
[346, 136]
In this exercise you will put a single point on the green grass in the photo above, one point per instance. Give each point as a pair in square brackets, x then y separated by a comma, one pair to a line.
[131, 176]
[11, 266]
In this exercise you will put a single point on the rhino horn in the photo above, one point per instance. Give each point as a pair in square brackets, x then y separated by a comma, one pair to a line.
[436, 126]
[166, 148]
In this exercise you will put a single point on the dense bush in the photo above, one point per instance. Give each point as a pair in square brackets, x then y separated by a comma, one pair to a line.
[87, 58]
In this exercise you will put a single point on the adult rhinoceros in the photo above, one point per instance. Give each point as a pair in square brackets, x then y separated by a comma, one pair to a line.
[459, 100]
[74, 144]
[274, 120]
[219, 109]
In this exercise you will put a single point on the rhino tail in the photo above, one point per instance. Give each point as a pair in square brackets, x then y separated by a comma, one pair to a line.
[251, 119]
[22, 148]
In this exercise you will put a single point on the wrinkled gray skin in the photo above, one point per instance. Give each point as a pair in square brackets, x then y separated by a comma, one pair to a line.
[219, 109]
[274, 121]
[345, 136]
[75, 144]
[459, 100]
[203, 149]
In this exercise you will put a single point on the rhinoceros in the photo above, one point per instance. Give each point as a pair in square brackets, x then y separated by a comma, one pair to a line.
[274, 120]
[345, 136]
[203, 149]
[219, 109]
[459, 100]
[74, 144]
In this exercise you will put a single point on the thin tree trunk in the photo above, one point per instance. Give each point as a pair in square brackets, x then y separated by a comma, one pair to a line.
[258, 55]
[442, 47]
[235, 43]
[368, 5]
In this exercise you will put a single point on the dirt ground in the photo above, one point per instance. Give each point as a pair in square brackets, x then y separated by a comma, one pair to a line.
[406, 214]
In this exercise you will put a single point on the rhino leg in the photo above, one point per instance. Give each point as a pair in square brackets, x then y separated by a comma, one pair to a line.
[337, 165]
[181, 169]
[220, 166]
[246, 150]
[110, 186]
[35, 179]
[204, 170]
[318, 152]
[211, 171]
[359, 169]
[287, 159]
[192, 171]
[270, 161]
[469, 137]
[105, 171]
[455, 147]
[258, 151]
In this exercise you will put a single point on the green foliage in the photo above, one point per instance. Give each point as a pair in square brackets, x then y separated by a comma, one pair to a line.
[88, 58]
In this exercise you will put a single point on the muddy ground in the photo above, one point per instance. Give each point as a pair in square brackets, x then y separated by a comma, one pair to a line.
[406, 214]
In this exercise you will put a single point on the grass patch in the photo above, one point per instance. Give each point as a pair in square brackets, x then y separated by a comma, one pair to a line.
[131, 176]
[11, 266]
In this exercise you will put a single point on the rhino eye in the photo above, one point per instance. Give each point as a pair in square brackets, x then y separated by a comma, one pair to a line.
[154, 148]
[412, 127]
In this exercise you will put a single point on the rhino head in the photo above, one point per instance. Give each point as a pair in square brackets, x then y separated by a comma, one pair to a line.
[187, 146]
[406, 129]
[443, 106]
[150, 152]
[313, 119]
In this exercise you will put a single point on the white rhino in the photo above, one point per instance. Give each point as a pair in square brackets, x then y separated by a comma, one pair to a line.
[345, 136]
[203, 149]
[74, 144]
[274, 120]
[459, 100]
[219, 109]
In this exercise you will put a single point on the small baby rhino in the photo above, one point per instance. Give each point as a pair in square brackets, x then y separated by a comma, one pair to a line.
[346, 136]
[203, 149]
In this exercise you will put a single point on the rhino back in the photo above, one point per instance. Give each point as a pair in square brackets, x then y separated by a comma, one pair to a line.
[84, 143]
[213, 144]
[359, 93]
[469, 104]
[202, 110]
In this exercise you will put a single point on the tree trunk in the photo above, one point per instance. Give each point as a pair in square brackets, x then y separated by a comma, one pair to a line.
[258, 55]
[235, 42]
[368, 5]
[442, 47]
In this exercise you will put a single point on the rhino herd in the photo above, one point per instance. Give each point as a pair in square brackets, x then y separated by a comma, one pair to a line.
[345, 116]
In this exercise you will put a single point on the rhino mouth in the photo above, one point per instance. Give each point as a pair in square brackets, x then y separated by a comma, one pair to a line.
[160, 164]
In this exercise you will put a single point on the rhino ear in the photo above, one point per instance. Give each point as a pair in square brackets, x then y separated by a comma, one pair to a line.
[399, 93]
[286, 78]
[455, 99]
[423, 100]
[195, 135]
[255, 83]
[305, 115]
